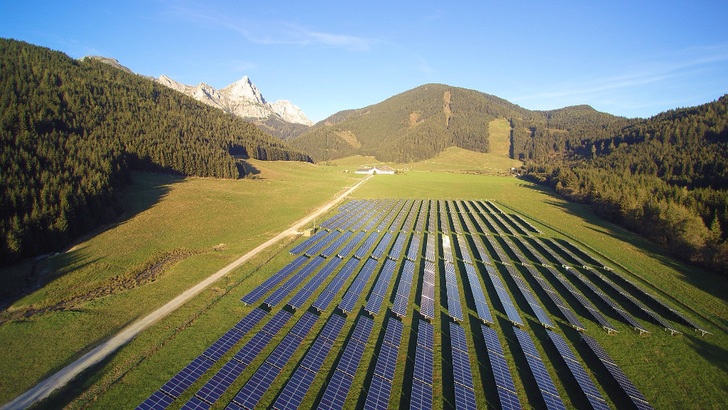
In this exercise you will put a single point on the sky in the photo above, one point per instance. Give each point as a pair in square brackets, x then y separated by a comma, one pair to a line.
[627, 58]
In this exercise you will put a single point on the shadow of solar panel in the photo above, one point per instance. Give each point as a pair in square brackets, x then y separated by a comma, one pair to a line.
[336, 391]
[157, 401]
[464, 398]
[249, 396]
[423, 369]
[223, 344]
[421, 397]
[378, 395]
[195, 403]
[292, 395]
[184, 379]
[216, 386]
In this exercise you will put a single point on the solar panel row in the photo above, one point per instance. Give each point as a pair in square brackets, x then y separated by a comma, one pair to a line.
[427, 301]
[455, 218]
[252, 392]
[397, 224]
[399, 243]
[312, 285]
[352, 295]
[382, 245]
[413, 251]
[430, 248]
[336, 244]
[367, 245]
[545, 384]
[501, 374]
[401, 298]
[338, 387]
[379, 292]
[389, 216]
[463, 247]
[454, 308]
[411, 216]
[617, 374]
[577, 370]
[333, 288]
[444, 220]
[481, 305]
[503, 296]
[282, 291]
[381, 385]
[462, 373]
[432, 218]
[274, 280]
[309, 242]
[422, 217]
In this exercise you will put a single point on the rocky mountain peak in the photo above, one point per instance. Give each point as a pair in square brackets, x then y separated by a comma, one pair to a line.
[244, 90]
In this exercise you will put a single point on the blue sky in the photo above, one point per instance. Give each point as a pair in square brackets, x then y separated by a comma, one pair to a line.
[631, 58]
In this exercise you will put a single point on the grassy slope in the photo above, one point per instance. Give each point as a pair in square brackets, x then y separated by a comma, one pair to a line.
[215, 221]
[670, 371]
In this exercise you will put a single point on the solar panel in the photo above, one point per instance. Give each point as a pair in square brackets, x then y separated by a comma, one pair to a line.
[378, 395]
[223, 344]
[346, 250]
[292, 395]
[324, 300]
[396, 250]
[320, 245]
[538, 370]
[374, 304]
[461, 368]
[457, 338]
[421, 398]
[454, 309]
[426, 334]
[333, 327]
[618, 375]
[284, 351]
[424, 359]
[220, 381]
[317, 354]
[274, 280]
[427, 308]
[363, 329]
[413, 252]
[336, 391]
[251, 394]
[386, 361]
[282, 291]
[156, 401]
[399, 307]
[464, 397]
[196, 403]
[184, 379]
[308, 242]
[366, 246]
[336, 244]
[250, 320]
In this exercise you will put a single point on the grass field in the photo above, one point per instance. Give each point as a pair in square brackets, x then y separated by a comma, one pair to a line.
[210, 222]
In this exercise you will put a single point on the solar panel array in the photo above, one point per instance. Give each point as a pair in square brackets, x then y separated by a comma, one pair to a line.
[577, 370]
[338, 387]
[401, 298]
[379, 292]
[319, 266]
[422, 377]
[380, 387]
[545, 384]
[617, 374]
[462, 373]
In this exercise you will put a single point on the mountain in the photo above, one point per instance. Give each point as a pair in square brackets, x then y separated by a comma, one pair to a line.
[420, 123]
[71, 131]
[242, 98]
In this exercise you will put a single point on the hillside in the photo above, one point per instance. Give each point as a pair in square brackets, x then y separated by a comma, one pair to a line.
[71, 130]
[664, 177]
[422, 122]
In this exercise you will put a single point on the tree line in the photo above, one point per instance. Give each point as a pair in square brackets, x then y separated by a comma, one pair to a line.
[665, 177]
[71, 131]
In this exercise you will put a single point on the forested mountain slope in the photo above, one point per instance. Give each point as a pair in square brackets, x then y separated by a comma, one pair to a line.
[665, 177]
[71, 130]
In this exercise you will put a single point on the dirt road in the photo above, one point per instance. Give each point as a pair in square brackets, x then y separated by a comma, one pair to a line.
[58, 380]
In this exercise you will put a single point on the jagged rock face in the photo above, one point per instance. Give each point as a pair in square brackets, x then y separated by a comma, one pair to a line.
[241, 98]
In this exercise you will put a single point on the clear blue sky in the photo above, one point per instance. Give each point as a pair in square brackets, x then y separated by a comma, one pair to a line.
[630, 58]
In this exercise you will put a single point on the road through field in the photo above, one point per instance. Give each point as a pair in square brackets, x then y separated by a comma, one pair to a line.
[58, 380]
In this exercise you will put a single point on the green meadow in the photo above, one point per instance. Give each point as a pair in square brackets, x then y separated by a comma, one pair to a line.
[189, 228]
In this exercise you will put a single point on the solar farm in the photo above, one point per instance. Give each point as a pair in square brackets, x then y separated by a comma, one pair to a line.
[433, 299]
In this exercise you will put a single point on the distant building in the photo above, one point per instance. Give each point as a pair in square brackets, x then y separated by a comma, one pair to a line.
[376, 170]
